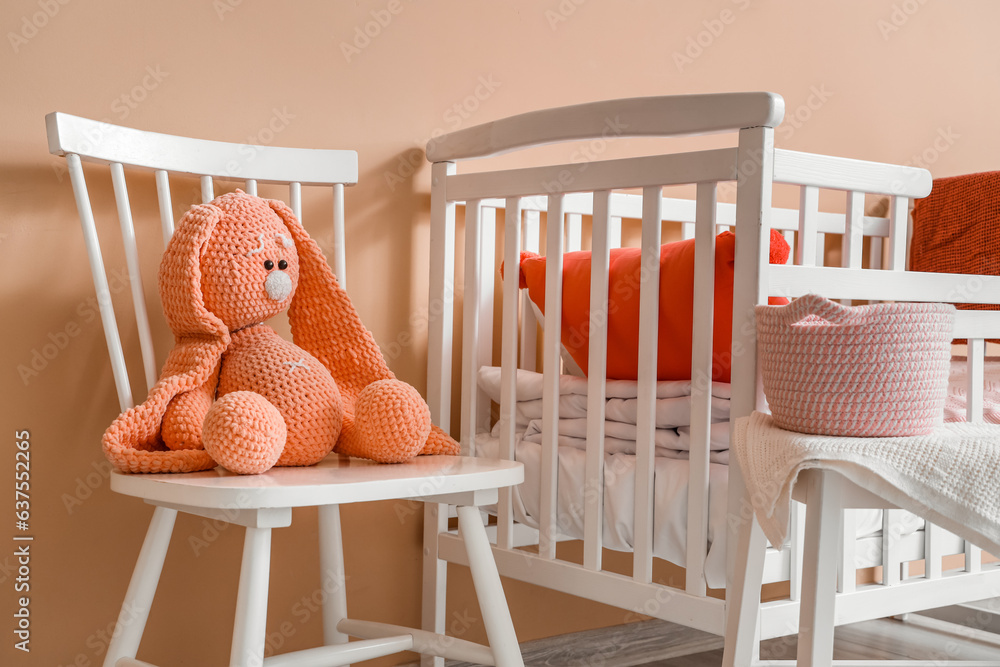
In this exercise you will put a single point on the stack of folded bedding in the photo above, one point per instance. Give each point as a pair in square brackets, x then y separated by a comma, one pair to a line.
[672, 414]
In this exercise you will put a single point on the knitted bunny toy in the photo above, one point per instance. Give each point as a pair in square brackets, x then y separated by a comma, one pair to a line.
[232, 391]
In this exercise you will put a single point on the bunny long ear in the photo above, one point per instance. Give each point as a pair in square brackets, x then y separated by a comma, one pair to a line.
[180, 275]
[132, 442]
[323, 320]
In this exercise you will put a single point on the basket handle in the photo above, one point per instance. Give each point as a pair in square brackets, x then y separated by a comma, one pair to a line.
[820, 306]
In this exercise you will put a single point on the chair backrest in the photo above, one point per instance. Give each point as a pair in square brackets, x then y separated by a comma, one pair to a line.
[82, 140]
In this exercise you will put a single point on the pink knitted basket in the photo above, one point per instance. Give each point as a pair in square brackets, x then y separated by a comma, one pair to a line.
[879, 370]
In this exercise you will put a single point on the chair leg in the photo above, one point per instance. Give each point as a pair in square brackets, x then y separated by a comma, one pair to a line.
[332, 574]
[486, 579]
[142, 588]
[743, 596]
[435, 573]
[819, 573]
[251, 600]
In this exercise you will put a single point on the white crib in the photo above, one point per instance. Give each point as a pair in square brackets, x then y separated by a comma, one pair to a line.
[567, 193]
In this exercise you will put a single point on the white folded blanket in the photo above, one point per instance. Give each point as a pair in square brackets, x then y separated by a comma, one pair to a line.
[950, 477]
[672, 413]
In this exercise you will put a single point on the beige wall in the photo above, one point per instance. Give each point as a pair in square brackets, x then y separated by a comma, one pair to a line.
[855, 84]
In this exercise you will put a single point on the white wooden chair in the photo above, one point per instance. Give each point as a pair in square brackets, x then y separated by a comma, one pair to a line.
[263, 502]
[826, 495]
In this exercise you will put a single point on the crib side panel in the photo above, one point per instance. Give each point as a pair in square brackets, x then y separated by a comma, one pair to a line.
[560, 207]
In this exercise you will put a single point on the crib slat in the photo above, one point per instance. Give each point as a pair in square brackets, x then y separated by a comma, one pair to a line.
[875, 252]
[529, 327]
[973, 557]
[593, 519]
[899, 211]
[933, 552]
[847, 574]
[805, 251]
[508, 362]
[487, 262]
[470, 327]
[615, 232]
[551, 347]
[820, 249]
[891, 562]
[645, 449]
[166, 207]
[339, 251]
[442, 295]
[111, 335]
[975, 380]
[207, 190]
[295, 199]
[134, 276]
[853, 238]
[251, 186]
[701, 388]
[574, 232]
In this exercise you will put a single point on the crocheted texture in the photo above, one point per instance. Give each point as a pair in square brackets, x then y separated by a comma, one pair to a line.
[295, 383]
[244, 433]
[383, 422]
[878, 370]
[230, 265]
[950, 477]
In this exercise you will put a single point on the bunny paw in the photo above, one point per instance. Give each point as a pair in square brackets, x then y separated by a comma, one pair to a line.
[244, 433]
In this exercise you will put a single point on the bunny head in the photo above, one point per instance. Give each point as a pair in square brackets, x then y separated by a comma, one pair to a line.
[247, 265]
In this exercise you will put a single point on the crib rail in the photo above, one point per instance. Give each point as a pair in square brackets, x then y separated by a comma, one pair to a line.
[672, 115]
[566, 195]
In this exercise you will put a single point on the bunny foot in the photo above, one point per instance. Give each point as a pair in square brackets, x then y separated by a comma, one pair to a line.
[439, 442]
[390, 423]
[244, 433]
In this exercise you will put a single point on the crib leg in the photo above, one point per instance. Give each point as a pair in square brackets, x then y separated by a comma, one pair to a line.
[819, 573]
[486, 579]
[743, 595]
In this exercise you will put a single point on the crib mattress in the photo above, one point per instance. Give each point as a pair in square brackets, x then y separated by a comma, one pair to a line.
[670, 476]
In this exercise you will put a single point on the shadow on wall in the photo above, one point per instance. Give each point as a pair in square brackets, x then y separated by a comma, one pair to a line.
[390, 231]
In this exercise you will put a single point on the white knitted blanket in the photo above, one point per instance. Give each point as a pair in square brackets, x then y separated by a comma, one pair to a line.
[950, 477]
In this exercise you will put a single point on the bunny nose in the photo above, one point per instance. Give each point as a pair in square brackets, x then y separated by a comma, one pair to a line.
[278, 285]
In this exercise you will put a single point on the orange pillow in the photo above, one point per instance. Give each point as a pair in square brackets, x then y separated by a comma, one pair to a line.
[673, 357]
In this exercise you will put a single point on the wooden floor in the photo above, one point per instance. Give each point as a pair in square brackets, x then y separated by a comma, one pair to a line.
[882, 639]
[660, 644]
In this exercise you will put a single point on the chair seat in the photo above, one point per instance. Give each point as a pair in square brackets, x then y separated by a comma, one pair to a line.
[336, 480]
